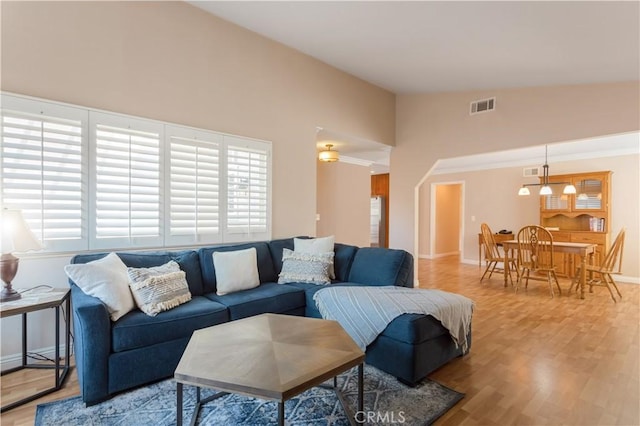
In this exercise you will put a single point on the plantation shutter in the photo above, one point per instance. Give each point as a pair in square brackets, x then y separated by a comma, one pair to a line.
[248, 189]
[126, 189]
[43, 173]
[194, 186]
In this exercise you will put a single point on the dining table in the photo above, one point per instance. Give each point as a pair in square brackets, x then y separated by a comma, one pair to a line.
[584, 250]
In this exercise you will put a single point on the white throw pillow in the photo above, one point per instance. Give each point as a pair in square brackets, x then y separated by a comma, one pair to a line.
[300, 267]
[107, 280]
[316, 245]
[236, 270]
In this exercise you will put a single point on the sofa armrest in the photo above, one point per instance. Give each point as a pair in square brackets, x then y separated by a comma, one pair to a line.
[92, 345]
[382, 267]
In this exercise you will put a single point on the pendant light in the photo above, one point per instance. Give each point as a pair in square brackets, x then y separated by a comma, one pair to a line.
[545, 186]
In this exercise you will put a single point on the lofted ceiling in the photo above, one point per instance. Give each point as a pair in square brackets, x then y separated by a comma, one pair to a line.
[442, 46]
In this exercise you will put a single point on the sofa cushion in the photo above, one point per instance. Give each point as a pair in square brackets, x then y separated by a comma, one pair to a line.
[187, 259]
[276, 247]
[137, 330]
[265, 264]
[377, 266]
[266, 298]
[414, 328]
[343, 260]
[190, 263]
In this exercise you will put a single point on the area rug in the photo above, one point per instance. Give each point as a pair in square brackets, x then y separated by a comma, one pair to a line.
[386, 401]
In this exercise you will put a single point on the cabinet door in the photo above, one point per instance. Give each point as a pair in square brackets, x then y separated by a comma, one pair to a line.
[561, 262]
[591, 194]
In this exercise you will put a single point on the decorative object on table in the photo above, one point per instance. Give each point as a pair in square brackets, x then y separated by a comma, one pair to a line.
[535, 253]
[492, 255]
[155, 404]
[328, 155]
[611, 265]
[545, 186]
[16, 237]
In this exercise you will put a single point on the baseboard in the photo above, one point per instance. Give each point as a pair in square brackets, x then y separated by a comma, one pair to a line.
[15, 360]
[439, 255]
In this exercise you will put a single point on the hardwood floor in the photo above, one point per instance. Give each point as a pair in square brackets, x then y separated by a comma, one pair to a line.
[537, 360]
[533, 360]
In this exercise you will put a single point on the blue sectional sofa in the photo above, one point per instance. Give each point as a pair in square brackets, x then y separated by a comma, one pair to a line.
[138, 349]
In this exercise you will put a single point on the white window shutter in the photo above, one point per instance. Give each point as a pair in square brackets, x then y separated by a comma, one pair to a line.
[248, 179]
[193, 188]
[126, 191]
[44, 169]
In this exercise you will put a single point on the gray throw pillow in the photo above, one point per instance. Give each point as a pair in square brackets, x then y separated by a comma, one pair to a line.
[305, 267]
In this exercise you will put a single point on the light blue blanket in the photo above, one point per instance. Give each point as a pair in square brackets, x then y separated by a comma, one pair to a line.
[364, 312]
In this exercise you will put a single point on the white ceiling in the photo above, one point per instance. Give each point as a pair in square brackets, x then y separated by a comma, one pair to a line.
[438, 46]
[442, 46]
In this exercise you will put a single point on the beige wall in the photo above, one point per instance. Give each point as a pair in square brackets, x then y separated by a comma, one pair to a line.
[447, 224]
[344, 202]
[430, 127]
[174, 62]
[491, 196]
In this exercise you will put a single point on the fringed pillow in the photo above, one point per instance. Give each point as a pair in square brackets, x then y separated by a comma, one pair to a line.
[305, 267]
[158, 288]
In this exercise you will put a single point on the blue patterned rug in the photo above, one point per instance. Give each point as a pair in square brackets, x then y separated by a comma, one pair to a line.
[386, 401]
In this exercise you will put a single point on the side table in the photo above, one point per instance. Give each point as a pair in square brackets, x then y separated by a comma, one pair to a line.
[54, 298]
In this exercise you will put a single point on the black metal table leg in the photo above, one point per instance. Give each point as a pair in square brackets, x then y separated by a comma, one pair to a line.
[179, 404]
[281, 413]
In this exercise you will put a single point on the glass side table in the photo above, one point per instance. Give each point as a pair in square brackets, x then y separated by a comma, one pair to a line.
[37, 301]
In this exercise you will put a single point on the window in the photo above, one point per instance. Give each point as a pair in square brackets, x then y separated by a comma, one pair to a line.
[43, 170]
[93, 180]
[248, 189]
[126, 187]
[193, 186]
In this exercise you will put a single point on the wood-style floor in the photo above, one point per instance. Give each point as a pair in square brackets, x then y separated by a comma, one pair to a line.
[534, 360]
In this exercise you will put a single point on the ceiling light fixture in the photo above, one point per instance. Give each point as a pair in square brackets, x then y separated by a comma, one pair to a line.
[545, 186]
[328, 155]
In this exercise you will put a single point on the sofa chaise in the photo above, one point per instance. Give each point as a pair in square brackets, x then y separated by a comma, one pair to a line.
[113, 356]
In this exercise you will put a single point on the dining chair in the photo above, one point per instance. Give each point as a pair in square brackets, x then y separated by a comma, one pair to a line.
[535, 254]
[492, 255]
[611, 265]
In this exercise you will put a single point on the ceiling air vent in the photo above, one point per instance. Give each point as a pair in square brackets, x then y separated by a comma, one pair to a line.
[531, 171]
[483, 105]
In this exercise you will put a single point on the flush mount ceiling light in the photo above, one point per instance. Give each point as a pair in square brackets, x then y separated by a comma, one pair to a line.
[328, 155]
[545, 186]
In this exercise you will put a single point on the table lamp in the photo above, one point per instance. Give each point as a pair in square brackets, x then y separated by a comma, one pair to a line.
[16, 237]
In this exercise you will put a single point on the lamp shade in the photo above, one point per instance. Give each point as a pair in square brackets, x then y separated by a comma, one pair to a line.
[524, 191]
[328, 155]
[569, 189]
[16, 235]
[546, 190]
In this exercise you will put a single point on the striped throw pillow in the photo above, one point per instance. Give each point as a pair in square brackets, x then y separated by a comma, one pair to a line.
[158, 288]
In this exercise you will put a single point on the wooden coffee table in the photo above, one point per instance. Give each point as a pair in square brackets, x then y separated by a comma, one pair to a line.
[269, 356]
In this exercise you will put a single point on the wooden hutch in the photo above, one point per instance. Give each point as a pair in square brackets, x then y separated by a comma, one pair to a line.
[583, 217]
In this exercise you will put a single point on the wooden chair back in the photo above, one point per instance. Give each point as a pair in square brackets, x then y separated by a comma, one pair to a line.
[612, 262]
[491, 251]
[535, 248]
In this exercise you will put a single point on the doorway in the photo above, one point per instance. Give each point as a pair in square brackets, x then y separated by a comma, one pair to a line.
[446, 224]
